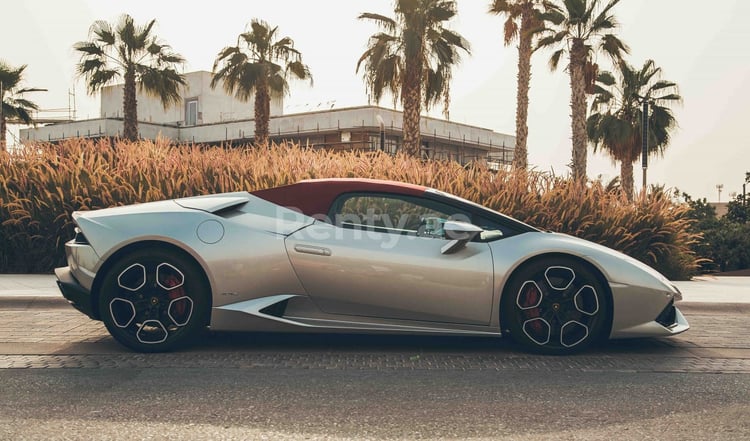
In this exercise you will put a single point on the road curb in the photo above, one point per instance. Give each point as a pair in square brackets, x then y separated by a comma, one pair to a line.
[711, 307]
[33, 302]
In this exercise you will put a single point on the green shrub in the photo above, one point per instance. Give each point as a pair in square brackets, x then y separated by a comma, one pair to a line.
[42, 186]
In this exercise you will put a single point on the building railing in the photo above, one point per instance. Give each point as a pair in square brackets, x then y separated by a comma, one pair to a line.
[244, 131]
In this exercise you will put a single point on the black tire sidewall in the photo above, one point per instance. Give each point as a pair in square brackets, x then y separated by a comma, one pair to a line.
[197, 289]
[511, 320]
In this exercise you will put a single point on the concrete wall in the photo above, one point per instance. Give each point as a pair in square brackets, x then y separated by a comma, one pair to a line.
[95, 128]
[367, 116]
[214, 105]
[441, 134]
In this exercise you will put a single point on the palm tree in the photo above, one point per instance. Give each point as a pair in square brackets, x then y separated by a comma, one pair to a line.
[616, 124]
[262, 64]
[13, 106]
[581, 29]
[412, 58]
[132, 52]
[530, 15]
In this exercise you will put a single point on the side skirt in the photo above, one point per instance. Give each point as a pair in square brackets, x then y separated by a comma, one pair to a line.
[293, 313]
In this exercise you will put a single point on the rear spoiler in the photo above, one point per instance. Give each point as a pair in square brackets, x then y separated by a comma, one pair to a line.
[215, 203]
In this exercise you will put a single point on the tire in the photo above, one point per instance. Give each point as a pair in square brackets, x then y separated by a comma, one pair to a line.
[555, 306]
[154, 300]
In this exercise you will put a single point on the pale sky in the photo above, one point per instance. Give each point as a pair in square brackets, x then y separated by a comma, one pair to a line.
[702, 47]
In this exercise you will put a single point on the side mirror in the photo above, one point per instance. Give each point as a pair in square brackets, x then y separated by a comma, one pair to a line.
[459, 233]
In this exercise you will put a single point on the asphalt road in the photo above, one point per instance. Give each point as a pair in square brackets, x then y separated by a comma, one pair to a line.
[63, 377]
[268, 403]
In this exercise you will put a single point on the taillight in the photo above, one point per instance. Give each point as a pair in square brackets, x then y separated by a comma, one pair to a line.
[80, 238]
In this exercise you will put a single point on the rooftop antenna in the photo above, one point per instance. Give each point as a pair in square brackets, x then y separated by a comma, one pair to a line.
[72, 99]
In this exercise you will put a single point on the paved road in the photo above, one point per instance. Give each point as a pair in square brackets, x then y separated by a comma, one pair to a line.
[46, 332]
[271, 403]
[63, 377]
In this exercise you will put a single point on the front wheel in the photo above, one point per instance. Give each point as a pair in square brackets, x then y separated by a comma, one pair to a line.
[154, 300]
[555, 306]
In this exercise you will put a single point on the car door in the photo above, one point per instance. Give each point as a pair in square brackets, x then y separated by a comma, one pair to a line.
[381, 257]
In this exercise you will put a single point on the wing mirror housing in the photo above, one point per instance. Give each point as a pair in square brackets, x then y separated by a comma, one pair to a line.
[459, 234]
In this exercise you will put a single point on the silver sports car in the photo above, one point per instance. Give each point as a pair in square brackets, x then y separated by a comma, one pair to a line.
[353, 255]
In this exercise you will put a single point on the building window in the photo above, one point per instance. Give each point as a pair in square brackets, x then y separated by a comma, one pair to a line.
[374, 142]
[390, 144]
[426, 150]
[191, 112]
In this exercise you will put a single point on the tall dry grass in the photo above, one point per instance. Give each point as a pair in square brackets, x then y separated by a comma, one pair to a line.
[41, 186]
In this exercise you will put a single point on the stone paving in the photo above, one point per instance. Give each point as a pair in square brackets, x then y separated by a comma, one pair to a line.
[49, 326]
[48, 333]
[382, 362]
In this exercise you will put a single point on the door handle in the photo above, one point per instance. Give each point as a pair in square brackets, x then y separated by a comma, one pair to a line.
[312, 249]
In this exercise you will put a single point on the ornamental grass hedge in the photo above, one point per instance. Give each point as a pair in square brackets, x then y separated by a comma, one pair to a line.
[41, 186]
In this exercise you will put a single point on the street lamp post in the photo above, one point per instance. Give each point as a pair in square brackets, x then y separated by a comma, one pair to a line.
[644, 151]
[382, 131]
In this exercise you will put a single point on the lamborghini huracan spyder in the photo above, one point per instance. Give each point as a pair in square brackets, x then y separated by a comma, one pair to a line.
[353, 255]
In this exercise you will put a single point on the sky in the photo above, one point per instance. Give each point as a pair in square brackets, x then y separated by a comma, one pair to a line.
[703, 47]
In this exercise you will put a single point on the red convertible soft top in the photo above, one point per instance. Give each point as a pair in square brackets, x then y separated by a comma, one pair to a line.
[315, 196]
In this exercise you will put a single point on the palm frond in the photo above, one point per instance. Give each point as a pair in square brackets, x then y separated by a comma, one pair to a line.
[26, 104]
[103, 32]
[100, 78]
[605, 20]
[505, 7]
[386, 23]
[90, 65]
[299, 70]
[88, 48]
[510, 31]
[614, 47]
[576, 11]
[554, 60]
[28, 90]
[165, 84]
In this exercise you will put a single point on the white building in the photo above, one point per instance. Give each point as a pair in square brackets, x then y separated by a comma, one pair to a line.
[200, 104]
[210, 116]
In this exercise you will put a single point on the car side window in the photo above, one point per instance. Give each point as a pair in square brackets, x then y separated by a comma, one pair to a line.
[395, 214]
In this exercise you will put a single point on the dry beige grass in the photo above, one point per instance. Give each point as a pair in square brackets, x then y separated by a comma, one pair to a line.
[40, 187]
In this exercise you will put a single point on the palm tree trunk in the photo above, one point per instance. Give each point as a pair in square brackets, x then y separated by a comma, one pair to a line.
[3, 126]
[262, 112]
[130, 107]
[3, 132]
[520, 156]
[626, 179]
[411, 96]
[578, 108]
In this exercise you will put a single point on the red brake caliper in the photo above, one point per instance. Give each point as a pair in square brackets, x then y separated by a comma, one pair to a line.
[179, 307]
[531, 296]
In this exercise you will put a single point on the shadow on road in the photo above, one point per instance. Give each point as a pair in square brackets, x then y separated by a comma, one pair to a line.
[348, 343]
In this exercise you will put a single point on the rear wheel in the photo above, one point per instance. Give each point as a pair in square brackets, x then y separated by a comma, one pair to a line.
[555, 306]
[154, 300]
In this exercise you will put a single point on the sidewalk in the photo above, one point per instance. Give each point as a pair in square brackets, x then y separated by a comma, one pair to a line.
[704, 289]
[28, 285]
